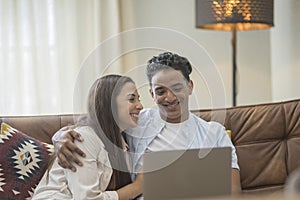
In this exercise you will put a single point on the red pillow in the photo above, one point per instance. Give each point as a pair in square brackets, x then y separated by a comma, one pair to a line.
[23, 161]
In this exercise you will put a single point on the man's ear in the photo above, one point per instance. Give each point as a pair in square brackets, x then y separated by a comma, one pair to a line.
[191, 86]
[151, 93]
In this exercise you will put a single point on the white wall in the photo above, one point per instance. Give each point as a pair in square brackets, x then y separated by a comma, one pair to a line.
[268, 61]
[253, 53]
[285, 43]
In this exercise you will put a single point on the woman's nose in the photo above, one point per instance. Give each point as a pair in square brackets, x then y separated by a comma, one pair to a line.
[139, 105]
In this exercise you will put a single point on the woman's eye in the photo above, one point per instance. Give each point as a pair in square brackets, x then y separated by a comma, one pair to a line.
[131, 99]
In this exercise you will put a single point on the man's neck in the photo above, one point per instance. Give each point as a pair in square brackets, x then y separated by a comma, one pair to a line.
[180, 119]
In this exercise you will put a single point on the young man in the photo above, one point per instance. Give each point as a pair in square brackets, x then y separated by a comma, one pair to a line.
[171, 126]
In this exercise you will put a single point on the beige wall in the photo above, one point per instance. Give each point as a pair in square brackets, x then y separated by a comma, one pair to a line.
[253, 53]
[285, 43]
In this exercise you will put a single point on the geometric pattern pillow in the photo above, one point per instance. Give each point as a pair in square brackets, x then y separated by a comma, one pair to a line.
[23, 161]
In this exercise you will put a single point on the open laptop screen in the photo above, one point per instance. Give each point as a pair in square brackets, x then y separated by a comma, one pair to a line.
[183, 174]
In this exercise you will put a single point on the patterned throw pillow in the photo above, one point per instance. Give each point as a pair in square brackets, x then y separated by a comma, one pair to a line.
[23, 161]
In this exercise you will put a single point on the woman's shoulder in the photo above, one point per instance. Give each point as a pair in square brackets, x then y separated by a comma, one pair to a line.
[89, 136]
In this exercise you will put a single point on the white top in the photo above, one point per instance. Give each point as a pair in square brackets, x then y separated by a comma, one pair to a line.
[88, 182]
[171, 137]
[155, 134]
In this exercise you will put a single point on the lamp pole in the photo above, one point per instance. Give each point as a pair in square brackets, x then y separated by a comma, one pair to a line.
[234, 68]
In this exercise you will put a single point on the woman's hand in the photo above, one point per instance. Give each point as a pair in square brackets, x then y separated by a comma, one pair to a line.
[132, 190]
[139, 182]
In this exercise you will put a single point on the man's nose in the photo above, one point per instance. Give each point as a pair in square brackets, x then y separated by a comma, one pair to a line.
[170, 96]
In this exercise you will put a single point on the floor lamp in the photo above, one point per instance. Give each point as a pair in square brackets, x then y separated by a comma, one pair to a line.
[234, 15]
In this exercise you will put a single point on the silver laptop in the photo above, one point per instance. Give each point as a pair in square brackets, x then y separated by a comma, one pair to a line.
[187, 174]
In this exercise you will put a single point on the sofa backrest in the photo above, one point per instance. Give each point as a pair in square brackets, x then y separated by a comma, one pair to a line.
[266, 137]
[39, 127]
[267, 140]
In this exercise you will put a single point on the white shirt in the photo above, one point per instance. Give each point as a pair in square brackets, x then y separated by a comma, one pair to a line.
[88, 182]
[171, 137]
[195, 132]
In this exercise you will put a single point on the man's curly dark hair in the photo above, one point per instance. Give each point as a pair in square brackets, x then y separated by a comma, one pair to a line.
[167, 60]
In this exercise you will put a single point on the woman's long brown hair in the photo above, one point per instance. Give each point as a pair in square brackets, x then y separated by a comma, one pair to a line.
[102, 117]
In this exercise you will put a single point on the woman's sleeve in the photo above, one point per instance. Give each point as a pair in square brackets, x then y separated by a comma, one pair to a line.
[90, 181]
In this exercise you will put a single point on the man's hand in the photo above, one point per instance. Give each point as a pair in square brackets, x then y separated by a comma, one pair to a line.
[65, 148]
[235, 182]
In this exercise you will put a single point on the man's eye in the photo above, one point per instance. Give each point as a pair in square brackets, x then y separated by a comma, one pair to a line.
[159, 92]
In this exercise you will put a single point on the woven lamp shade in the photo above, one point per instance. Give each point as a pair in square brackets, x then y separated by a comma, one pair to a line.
[234, 14]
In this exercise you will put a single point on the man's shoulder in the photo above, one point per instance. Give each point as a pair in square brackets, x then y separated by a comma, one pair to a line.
[147, 114]
[211, 126]
[147, 118]
[204, 122]
[148, 111]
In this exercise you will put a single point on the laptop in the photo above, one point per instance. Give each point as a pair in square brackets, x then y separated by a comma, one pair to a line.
[187, 174]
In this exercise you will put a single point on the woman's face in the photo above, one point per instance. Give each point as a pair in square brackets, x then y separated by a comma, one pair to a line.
[129, 106]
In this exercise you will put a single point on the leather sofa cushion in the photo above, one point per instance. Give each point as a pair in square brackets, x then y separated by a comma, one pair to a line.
[267, 140]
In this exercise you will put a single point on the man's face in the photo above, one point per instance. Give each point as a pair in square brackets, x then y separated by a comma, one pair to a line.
[171, 91]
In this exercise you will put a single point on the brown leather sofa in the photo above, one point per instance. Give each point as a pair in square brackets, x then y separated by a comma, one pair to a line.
[267, 140]
[266, 136]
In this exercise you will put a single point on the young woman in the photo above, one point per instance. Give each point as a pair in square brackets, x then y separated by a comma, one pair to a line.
[113, 105]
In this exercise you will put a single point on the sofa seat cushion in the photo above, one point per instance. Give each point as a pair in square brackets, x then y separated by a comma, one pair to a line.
[23, 162]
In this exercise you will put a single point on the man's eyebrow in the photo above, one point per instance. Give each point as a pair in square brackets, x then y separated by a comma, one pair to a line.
[176, 85]
[159, 88]
[164, 87]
